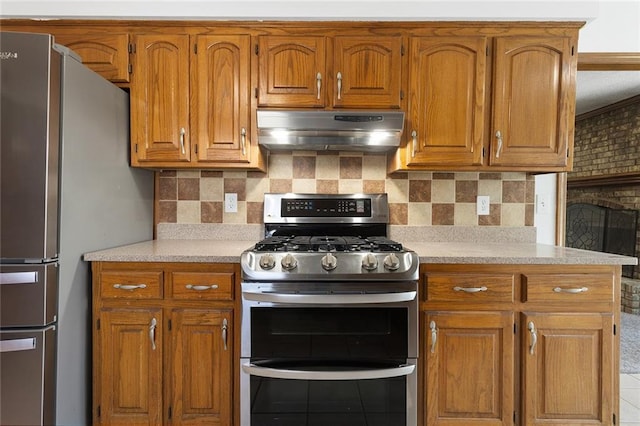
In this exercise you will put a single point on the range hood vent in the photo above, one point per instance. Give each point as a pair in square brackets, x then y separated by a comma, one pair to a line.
[371, 131]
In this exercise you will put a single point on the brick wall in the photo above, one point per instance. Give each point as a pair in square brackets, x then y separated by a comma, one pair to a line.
[608, 143]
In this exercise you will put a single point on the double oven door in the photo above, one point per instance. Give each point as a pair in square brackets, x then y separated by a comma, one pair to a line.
[329, 354]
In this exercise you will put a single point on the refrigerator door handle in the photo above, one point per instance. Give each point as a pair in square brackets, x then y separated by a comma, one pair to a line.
[30, 277]
[16, 345]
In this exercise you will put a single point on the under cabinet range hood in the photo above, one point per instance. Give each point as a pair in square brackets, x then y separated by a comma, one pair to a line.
[372, 131]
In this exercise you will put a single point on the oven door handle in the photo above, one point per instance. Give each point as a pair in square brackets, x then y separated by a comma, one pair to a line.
[329, 299]
[277, 373]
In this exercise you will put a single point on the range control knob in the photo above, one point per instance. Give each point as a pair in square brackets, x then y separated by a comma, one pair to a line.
[329, 262]
[370, 262]
[267, 261]
[391, 262]
[288, 262]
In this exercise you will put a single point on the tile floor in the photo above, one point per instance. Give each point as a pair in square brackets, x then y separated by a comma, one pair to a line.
[630, 400]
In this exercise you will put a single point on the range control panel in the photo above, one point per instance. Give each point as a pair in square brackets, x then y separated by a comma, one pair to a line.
[326, 207]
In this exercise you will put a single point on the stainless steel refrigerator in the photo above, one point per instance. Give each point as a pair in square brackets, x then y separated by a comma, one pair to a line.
[65, 189]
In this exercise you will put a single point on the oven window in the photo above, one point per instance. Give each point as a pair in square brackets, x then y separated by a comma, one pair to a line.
[329, 333]
[283, 402]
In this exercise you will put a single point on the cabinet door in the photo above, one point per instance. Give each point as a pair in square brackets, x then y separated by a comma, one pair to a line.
[446, 101]
[220, 93]
[534, 92]
[292, 71]
[130, 347]
[202, 362]
[160, 99]
[469, 368]
[367, 72]
[568, 368]
[106, 54]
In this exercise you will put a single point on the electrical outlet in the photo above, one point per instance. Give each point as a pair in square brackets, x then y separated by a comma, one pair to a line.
[230, 202]
[482, 206]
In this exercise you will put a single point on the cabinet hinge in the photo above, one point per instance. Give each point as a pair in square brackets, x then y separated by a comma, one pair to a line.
[402, 50]
[614, 418]
[132, 48]
[169, 412]
[486, 51]
[567, 152]
[257, 49]
[98, 324]
[136, 148]
[514, 418]
[195, 148]
[402, 94]
[169, 325]
[255, 93]
[615, 329]
[98, 411]
[483, 152]
[130, 69]
[573, 48]
[514, 328]
[195, 48]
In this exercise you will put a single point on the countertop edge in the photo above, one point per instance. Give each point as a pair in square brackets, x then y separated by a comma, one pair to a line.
[216, 251]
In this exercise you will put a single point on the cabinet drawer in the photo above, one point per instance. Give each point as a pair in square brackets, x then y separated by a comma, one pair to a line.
[469, 287]
[577, 288]
[131, 284]
[202, 285]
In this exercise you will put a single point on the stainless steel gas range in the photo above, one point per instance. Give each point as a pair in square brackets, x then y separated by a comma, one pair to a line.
[329, 332]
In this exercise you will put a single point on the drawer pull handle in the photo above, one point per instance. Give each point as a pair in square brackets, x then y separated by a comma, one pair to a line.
[224, 333]
[534, 337]
[129, 287]
[201, 287]
[434, 335]
[571, 290]
[470, 289]
[339, 78]
[318, 83]
[152, 333]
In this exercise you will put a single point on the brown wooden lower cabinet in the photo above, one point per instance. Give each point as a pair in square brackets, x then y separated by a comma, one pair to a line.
[163, 348]
[545, 352]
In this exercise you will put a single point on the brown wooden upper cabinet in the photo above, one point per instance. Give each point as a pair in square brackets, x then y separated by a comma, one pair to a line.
[106, 54]
[504, 103]
[362, 72]
[190, 102]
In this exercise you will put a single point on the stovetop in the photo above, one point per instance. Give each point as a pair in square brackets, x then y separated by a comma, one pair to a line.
[327, 238]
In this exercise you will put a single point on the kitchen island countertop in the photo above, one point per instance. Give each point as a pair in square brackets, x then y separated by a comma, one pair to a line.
[229, 251]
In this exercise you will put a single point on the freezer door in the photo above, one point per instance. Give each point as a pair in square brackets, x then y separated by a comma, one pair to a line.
[28, 295]
[29, 145]
[27, 377]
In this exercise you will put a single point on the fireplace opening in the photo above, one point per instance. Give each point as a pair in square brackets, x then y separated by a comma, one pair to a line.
[603, 229]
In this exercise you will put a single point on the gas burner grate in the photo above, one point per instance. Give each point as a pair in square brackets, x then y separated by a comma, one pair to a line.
[327, 243]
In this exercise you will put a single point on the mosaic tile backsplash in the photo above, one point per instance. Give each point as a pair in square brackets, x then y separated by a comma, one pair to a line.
[415, 198]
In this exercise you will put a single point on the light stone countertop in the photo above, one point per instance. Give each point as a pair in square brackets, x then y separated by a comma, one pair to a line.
[229, 251]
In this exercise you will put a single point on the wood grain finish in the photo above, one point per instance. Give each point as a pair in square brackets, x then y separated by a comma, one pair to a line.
[557, 352]
[131, 285]
[469, 368]
[469, 287]
[446, 101]
[165, 360]
[534, 101]
[107, 54]
[221, 124]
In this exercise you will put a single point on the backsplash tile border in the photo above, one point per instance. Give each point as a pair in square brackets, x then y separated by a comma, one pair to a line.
[415, 198]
